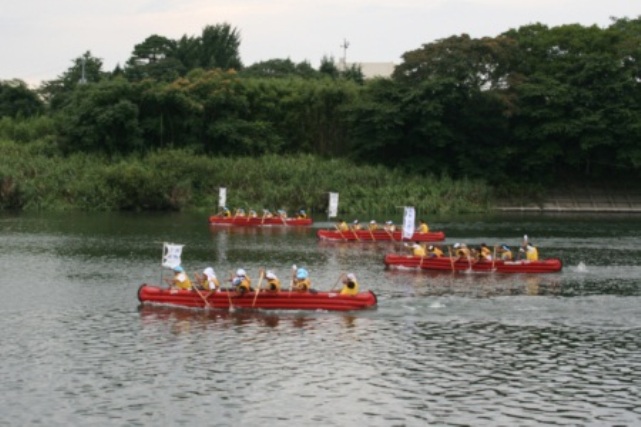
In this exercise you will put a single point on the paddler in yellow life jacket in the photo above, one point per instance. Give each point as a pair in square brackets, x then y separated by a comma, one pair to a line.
[225, 212]
[356, 225]
[485, 253]
[180, 279]
[350, 285]
[373, 226]
[389, 227]
[208, 280]
[301, 214]
[531, 252]
[273, 283]
[422, 228]
[242, 282]
[417, 249]
[505, 253]
[461, 251]
[342, 225]
[302, 282]
[434, 251]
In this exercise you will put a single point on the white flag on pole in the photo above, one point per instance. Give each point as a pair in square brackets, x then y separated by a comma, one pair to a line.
[333, 205]
[408, 222]
[171, 255]
[222, 197]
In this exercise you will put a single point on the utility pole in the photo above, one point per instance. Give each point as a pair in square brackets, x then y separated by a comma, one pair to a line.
[83, 79]
[345, 45]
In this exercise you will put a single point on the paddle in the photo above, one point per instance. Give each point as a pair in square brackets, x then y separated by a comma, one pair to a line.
[202, 296]
[291, 285]
[260, 281]
[449, 253]
[372, 234]
[231, 304]
[340, 232]
[391, 235]
[338, 281]
[494, 258]
[354, 231]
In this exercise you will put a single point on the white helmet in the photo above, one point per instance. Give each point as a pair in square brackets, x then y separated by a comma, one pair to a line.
[241, 272]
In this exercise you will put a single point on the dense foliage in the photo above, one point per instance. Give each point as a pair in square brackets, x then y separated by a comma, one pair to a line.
[533, 106]
[32, 177]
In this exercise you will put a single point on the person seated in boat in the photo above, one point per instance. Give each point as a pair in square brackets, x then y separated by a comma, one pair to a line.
[389, 227]
[342, 225]
[356, 225]
[422, 228]
[434, 251]
[417, 249]
[273, 283]
[240, 212]
[504, 252]
[241, 282]
[461, 251]
[267, 213]
[302, 282]
[180, 279]
[373, 226]
[208, 280]
[252, 213]
[530, 251]
[281, 213]
[301, 214]
[350, 285]
[484, 253]
[225, 212]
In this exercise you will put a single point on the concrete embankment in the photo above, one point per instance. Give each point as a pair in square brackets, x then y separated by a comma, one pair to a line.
[583, 200]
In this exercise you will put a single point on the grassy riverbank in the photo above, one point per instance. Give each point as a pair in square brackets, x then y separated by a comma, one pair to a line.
[35, 176]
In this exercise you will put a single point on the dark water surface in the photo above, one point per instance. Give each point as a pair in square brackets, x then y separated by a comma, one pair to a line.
[441, 349]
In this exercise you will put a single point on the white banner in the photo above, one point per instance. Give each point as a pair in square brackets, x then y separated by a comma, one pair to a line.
[408, 222]
[333, 205]
[171, 255]
[222, 197]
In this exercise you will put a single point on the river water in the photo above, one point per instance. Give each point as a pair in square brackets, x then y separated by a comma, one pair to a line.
[440, 349]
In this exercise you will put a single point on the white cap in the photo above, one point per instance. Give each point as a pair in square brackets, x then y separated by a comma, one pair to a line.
[351, 277]
[209, 272]
[372, 222]
[241, 272]
[270, 275]
[457, 245]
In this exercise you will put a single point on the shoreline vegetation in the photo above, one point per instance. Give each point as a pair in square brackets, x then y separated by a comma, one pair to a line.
[34, 177]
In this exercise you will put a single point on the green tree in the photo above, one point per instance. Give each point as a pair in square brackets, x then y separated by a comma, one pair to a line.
[101, 118]
[220, 46]
[85, 69]
[18, 101]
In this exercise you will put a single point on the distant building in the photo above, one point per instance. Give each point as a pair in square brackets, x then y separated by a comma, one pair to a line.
[371, 70]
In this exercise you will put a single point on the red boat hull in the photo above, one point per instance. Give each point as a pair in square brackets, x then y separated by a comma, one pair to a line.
[549, 265]
[266, 300]
[258, 221]
[379, 235]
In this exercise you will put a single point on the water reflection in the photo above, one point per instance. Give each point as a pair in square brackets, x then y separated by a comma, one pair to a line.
[186, 320]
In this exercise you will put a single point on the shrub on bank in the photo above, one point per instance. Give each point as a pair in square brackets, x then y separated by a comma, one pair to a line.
[34, 178]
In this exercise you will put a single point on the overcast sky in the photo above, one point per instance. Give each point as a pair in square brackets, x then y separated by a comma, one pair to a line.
[40, 38]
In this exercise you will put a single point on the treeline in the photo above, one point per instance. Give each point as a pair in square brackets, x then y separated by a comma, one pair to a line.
[534, 106]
